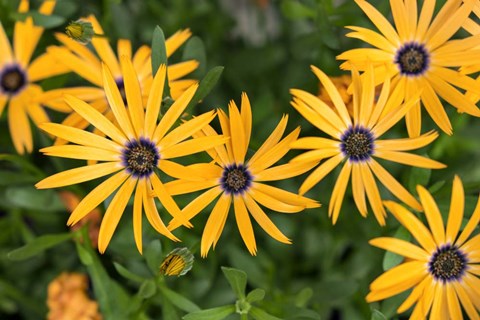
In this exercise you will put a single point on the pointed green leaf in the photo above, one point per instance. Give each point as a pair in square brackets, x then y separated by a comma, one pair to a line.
[147, 289]
[153, 256]
[205, 86]
[218, 313]
[42, 20]
[38, 245]
[84, 255]
[377, 315]
[237, 279]
[195, 50]
[302, 298]
[418, 176]
[127, 274]
[178, 300]
[391, 259]
[256, 295]
[259, 314]
[159, 55]
[28, 197]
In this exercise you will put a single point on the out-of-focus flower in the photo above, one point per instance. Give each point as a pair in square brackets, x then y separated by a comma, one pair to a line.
[341, 83]
[443, 268]
[419, 54]
[18, 75]
[177, 263]
[240, 181]
[474, 29]
[92, 219]
[80, 31]
[67, 299]
[88, 65]
[355, 141]
[135, 145]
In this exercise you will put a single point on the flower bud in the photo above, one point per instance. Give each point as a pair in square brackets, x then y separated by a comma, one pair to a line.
[177, 263]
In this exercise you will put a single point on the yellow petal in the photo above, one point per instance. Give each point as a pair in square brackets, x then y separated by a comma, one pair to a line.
[406, 143]
[80, 136]
[284, 171]
[415, 295]
[455, 215]
[465, 300]
[154, 101]
[401, 19]
[177, 187]
[114, 213]
[273, 155]
[414, 226]
[6, 54]
[373, 194]
[471, 225]
[124, 48]
[285, 196]
[176, 40]
[237, 133]
[454, 309]
[192, 146]
[151, 212]
[379, 21]
[137, 216]
[134, 95]
[181, 69]
[81, 152]
[96, 119]
[246, 113]
[315, 143]
[373, 38]
[272, 140]
[314, 118]
[19, 125]
[97, 196]
[319, 173]
[358, 190]
[439, 307]
[273, 203]
[102, 46]
[244, 225]
[426, 14]
[219, 153]
[263, 220]
[45, 66]
[187, 129]
[393, 185]
[79, 49]
[401, 247]
[409, 272]
[409, 159]
[367, 96]
[167, 200]
[78, 175]
[172, 114]
[215, 223]
[339, 192]
[196, 206]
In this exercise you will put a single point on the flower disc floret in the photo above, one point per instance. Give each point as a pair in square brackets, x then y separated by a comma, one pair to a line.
[236, 179]
[13, 79]
[447, 263]
[140, 157]
[357, 143]
[412, 59]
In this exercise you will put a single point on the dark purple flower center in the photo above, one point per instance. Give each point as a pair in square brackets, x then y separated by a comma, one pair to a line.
[412, 59]
[447, 263]
[357, 143]
[140, 157]
[13, 79]
[121, 88]
[236, 179]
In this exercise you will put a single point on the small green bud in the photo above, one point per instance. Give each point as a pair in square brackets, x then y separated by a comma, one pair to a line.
[177, 263]
[80, 31]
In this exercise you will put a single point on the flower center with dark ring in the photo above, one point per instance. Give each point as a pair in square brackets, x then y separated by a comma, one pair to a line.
[13, 79]
[357, 143]
[121, 87]
[447, 263]
[412, 59]
[140, 157]
[236, 179]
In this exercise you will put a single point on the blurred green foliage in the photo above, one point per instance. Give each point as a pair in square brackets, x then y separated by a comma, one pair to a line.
[265, 50]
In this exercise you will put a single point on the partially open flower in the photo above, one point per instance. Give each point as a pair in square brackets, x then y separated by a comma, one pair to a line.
[177, 263]
[80, 31]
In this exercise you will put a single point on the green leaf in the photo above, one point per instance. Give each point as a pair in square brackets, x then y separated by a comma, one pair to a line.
[42, 20]
[256, 295]
[195, 50]
[206, 85]
[28, 197]
[259, 314]
[391, 259]
[178, 300]
[22, 163]
[436, 186]
[218, 313]
[10, 178]
[418, 176]
[237, 279]
[84, 255]
[38, 245]
[303, 297]
[147, 289]
[295, 10]
[127, 274]
[377, 315]
[154, 257]
[159, 55]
